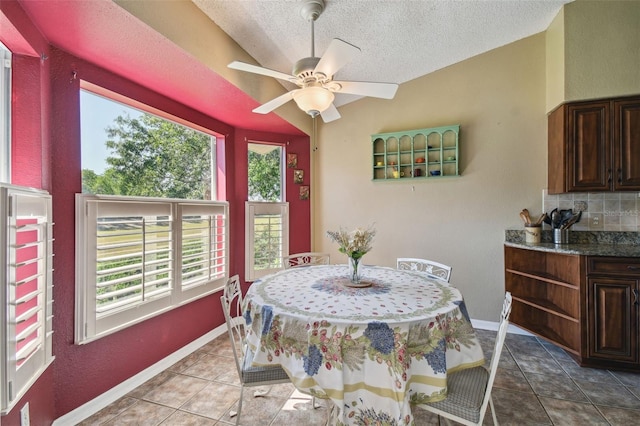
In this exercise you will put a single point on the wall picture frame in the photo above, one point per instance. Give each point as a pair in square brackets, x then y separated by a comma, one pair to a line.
[304, 192]
[292, 161]
[298, 176]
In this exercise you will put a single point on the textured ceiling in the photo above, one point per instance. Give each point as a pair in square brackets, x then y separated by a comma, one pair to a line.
[400, 39]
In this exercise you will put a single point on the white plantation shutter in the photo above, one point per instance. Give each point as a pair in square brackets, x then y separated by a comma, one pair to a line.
[26, 300]
[138, 257]
[203, 246]
[267, 238]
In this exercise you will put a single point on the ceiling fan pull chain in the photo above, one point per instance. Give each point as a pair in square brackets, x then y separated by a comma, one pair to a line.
[313, 39]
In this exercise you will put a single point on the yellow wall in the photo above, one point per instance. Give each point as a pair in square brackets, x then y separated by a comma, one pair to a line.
[498, 99]
[555, 61]
[599, 51]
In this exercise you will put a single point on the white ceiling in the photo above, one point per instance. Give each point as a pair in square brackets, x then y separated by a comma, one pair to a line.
[400, 40]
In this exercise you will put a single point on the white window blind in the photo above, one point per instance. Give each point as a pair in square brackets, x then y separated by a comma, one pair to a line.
[26, 299]
[138, 257]
[267, 237]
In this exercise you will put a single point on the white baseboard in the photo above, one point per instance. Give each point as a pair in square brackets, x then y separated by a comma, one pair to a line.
[493, 326]
[86, 410]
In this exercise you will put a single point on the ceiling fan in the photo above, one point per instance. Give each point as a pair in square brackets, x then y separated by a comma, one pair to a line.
[314, 76]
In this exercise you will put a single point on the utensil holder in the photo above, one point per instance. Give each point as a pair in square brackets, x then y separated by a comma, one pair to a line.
[560, 236]
[532, 234]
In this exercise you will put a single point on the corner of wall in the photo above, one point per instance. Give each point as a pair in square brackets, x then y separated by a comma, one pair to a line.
[554, 67]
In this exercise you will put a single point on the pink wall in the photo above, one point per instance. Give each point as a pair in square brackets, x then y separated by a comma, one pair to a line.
[46, 130]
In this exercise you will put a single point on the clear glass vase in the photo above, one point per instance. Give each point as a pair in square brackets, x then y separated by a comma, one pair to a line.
[355, 270]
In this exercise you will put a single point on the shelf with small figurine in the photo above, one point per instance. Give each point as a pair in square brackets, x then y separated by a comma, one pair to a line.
[416, 154]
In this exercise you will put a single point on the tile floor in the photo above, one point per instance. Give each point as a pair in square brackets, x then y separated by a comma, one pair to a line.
[537, 384]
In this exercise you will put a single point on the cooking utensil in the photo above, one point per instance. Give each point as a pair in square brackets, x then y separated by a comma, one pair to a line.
[574, 219]
[542, 217]
[524, 218]
[526, 213]
[547, 219]
[565, 215]
[556, 218]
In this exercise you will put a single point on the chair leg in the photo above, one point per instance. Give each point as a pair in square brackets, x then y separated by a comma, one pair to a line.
[237, 413]
[493, 411]
[331, 413]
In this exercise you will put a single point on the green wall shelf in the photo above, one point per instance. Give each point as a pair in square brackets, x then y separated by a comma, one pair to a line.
[416, 154]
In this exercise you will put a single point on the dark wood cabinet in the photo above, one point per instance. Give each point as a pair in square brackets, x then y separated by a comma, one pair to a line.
[595, 146]
[626, 151]
[613, 321]
[588, 305]
[612, 327]
[546, 295]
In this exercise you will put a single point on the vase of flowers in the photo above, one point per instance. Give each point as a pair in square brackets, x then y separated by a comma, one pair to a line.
[355, 244]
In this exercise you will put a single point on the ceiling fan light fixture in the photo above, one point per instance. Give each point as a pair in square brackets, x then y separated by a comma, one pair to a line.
[313, 100]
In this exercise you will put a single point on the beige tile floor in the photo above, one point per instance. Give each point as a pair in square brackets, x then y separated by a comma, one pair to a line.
[537, 384]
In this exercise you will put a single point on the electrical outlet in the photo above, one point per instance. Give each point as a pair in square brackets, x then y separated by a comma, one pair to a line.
[24, 415]
[596, 220]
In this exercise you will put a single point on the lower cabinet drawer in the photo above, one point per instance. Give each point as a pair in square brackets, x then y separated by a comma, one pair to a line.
[613, 265]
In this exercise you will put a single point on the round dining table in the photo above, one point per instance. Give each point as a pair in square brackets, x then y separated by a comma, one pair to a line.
[374, 350]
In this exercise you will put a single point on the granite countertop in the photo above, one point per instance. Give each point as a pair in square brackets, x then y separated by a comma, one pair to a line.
[586, 243]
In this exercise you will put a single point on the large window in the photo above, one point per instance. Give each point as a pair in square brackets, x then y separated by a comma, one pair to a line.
[139, 257]
[26, 298]
[5, 114]
[131, 151]
[147, 238]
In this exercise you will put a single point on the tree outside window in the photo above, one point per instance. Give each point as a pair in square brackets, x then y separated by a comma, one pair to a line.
[265, 172]
[146, 155]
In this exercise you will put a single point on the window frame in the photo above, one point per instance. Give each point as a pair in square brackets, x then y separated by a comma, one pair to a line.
[283, 168]
[91, 325]
[5, 114]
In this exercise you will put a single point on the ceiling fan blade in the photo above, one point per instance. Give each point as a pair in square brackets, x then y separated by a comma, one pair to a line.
[266, 108]
[330, 114]
[336, 56]
[364, 88]
[242, 66]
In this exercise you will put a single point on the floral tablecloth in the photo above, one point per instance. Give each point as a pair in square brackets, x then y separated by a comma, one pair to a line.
[373, 351]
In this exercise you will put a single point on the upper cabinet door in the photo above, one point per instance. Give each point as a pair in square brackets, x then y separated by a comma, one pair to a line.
[589, 147]
[626, 136]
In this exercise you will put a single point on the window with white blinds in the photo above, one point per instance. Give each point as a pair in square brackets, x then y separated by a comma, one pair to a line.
[138, 257]
[267, 237]
[26, 301]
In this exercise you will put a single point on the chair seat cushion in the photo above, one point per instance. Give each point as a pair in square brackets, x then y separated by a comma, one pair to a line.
[465, 393]
[257, 374]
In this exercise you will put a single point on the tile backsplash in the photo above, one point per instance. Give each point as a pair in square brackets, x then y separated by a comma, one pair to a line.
[601, 211]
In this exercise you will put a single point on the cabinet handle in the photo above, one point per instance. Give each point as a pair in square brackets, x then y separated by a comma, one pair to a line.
[633, 268]
[619, 175]
[609, 175]
[635, 297]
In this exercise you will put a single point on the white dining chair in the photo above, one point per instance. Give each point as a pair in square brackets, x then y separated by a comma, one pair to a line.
[249, 375]
[469, 390]
[435, 270]
[305, 259]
